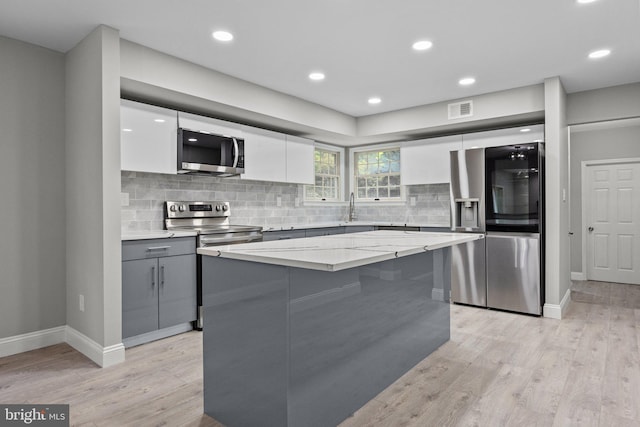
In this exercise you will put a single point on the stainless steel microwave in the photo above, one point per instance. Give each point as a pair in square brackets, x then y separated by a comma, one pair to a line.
[208, 153]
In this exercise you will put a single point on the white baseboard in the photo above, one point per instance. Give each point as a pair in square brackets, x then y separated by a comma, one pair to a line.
[101, 356]
[578, 275]
[31, 341]
[556, 311]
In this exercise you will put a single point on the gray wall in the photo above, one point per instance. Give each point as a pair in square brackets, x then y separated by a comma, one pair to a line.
[595, 144]
[32, 256]
[557, 263]
[93, 186]
[612, 103]
[254, 202]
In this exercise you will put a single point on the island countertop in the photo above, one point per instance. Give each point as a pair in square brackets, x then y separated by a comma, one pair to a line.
[340, 251]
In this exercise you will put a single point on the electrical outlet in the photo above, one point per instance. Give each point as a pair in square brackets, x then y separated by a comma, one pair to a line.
[81, 302]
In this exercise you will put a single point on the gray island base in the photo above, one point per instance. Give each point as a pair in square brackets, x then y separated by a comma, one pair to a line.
[302, 347]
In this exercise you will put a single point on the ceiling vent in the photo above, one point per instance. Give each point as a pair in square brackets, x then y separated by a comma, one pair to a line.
[460, 110]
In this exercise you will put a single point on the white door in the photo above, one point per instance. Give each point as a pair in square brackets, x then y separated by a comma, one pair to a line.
[613, 222]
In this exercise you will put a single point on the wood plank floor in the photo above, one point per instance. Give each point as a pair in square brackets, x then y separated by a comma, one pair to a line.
[499, 369]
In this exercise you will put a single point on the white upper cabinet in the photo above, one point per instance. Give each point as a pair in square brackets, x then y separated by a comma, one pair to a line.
[265, 155]
[510, 136]
[276, 157]
[300, 167]
[148, 138]
[208, 125]
[426, 161]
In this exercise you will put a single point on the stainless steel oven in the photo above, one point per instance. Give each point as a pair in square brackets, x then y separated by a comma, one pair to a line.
[211, 221]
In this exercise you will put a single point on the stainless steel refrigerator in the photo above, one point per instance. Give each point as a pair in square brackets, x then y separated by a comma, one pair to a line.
[499, 192]
[468, 260]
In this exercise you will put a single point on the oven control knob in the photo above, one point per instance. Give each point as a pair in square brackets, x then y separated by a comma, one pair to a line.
[217, 208]
[225, 208]
[173, 208]
[182, 208]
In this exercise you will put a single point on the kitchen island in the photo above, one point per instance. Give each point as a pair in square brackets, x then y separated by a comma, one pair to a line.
[304, 332]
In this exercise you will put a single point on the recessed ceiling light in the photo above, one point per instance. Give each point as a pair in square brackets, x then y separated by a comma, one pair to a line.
[223, 36]
[599, 53]
[374, 100]
[159, 120]
[586, 1]
[192, 140]
[316, 76]
[525, 130]
[467, 81]
[127, 130]
[422, 45]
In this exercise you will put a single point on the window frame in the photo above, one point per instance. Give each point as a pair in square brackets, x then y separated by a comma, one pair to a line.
[353, 177]
[340, 151]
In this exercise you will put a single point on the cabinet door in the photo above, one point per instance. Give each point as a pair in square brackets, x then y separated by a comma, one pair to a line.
[148, 141]
[300, 167]
[510, 136]
[427, 161]
[139, 297]
[207, 124]
[265, 155]
[177, 290]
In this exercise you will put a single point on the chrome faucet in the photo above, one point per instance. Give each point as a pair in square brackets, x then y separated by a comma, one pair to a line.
[352, 207]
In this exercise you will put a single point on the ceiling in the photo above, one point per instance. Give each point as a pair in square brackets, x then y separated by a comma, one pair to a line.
[363, 46]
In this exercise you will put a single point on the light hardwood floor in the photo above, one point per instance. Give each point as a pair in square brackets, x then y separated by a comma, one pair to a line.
[498, 369]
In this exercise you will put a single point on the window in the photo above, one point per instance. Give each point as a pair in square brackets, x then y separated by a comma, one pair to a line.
[327, 171]
[377, 174]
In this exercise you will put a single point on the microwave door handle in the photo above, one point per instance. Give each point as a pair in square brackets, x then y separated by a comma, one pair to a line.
[237, 154]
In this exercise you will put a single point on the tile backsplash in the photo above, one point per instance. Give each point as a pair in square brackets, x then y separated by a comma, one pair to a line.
[255, 202]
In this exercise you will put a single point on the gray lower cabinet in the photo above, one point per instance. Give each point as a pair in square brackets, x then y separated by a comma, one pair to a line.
[326, 231]
[158, 291]
[283, 235]
[358, 228]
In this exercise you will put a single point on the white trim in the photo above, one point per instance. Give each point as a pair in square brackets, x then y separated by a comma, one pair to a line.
[102, 356]
[31, 341]
[586, 190]
[556, 311]
[341, 185]
[578, 275]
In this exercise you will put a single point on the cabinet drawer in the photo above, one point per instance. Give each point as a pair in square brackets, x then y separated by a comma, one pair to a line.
[155, 248]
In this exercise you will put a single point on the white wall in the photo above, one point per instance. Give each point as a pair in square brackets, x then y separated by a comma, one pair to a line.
[93, 190]
[557, 265]
[32, 161]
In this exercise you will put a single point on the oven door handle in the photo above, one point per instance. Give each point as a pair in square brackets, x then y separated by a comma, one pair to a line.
[224, 241]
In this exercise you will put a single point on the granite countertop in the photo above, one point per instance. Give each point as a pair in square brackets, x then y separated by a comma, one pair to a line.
[155, 234]
[340, 251]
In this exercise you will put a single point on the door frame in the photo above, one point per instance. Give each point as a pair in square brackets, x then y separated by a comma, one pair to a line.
[586, 190]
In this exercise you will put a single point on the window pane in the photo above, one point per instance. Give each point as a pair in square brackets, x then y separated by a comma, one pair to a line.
[372, 193]
[372, 157]
[362, 193]
[394, 155]
[362, 169]
[362, 182]
[394, 192]
[384, 167]
[372, 182]
[394, 167]
[384, 181]
[394, 180]
[372, 169]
